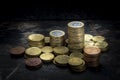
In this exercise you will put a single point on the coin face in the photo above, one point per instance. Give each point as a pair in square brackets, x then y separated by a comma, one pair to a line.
[74, 61]
[76, 54]
[35, 37]
[47, 56]
[62, 59]
[88, 37]
[89, 44]
[98, 38]
[57, 33]
[17, 50]
[60, 50]
[92, 50]
[33, 51]
[75, 24]
[47, 49]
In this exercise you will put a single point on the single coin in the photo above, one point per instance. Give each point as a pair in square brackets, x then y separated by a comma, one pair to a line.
[57, 33]
[88, 37]
[75, 24]
[47, 39]
[47, 49]
[76, 54]
[47, 57]
[62, 59]
[17, 50]
[88, 43]
[60, 50]
[102, 45]
[33, 51]
[35, 37]
[33, 62]
[74, 61]
[98, 38]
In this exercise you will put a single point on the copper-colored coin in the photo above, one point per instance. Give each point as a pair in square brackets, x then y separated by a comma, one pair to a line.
[17, 50]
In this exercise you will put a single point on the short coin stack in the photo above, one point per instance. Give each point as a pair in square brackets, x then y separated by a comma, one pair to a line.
[75, 35]
[91, 56]
[57, 38]
[77, 64]
[36, 40]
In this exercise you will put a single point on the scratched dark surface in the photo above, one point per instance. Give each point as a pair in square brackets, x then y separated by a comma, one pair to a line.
[15, 33]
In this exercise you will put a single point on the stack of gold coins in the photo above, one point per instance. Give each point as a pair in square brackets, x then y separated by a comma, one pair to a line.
[77, 64]
[47, 40]
[61, 50]
[57, 38]
[91, 56]
[76, 35]
[36, 40]
[32, 52]
[61, 60]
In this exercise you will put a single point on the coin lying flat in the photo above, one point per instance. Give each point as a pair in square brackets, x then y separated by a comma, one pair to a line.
[35, 37]
[60, 50]
[89, 43]
[47, 49]
[17, 50]
[98, 38]
[33, 62]
[102, 45]
[88, 37]
[47, 57]
[76, 54]
[62, 59]
[33, 51]
[75, 61]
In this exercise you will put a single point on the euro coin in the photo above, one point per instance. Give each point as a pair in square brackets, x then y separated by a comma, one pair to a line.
[33, 51]
[88, 37]
[36, 37]
[47, 57]
[76, 54]
[47, 49]
[74, 61]
[98, 38]
[61, 50]
[89, 43]
[47, 40]
[62, 60]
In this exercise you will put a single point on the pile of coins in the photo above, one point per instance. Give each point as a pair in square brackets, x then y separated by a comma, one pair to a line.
[75, 35]
[64, 52]
[36, 40]
[57, 38]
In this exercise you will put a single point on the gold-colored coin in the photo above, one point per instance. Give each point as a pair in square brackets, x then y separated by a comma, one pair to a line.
[35, 37]
[89, 43]
[33, 51]
[47, 57]
[102, 45]
[47, 49]
[76, 54]
[47, 39]
[60, 50]
[74, 61]
[98, 38]
[62, 59]
[88, 37]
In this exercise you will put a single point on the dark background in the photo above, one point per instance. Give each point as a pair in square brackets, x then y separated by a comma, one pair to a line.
[59, 10]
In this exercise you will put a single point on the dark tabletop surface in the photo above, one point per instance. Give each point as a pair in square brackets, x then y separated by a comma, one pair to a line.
[15, 33]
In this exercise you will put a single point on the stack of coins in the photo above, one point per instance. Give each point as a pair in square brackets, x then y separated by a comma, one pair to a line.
[36, 40]
[75, 35]
[77, 64]
[61, 50]
[47, 40]
[61, 60]
[91, 56]
[57, 38]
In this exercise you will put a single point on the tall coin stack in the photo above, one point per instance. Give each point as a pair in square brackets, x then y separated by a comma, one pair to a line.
[75, 35]
[91, 56]
[57, 38]
[36, 40]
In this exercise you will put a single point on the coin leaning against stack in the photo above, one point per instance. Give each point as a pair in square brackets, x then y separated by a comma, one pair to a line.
[75, 35]
[36, 40]
[57, 38]
[91, 56]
